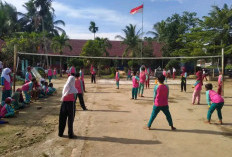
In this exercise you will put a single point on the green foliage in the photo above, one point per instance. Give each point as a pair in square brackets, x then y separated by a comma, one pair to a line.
[93, 28]
[77, 62]
[112, 70]
[228, 66]
[131, 40]
[173, 63]
[60, 42]
[133, 63]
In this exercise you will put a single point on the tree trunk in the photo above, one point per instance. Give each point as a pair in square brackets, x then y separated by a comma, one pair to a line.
[60, 66]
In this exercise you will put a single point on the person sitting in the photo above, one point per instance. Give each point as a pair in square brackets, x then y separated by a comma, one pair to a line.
[18, 102]
[7, 110]
[51, 90]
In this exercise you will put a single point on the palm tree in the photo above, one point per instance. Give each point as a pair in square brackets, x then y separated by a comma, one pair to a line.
[40, 17]
[58, 44]
[104, 44]
[93, 28]
[131, 39]
[8, 19]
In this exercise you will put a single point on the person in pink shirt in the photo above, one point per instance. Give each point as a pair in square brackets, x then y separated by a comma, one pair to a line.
[28, 76]
[6, 83]
[72, 70]
[215, 101]
[148, 72]
[165, 74]
[93, 74]
[197, 92]
[219, 91]
[68, 107]
[161, 93]
[27, 88]
[135, 85]
[142, 79]
[117, 78]
[54, 73]
[80, 88]
[50, 74]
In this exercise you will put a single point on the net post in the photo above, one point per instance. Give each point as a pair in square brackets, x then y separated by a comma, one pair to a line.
[15, 63]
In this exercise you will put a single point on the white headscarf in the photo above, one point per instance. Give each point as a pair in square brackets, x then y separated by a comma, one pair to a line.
[69, 87]
[5, 74]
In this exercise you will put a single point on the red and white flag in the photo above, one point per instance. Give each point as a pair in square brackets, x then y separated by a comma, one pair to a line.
[137, 9]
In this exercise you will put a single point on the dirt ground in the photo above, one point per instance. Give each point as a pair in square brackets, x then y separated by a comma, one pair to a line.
[113, 126]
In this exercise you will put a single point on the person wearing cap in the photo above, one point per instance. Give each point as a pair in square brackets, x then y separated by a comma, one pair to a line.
[28, 76]
[6, 83]
[27, 88]
[7, 110]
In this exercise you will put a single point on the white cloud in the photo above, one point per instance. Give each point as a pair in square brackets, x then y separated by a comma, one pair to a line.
[81, 32]
[106, 15]
[18, 4]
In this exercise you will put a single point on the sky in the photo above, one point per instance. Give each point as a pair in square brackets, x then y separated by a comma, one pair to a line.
[111, 16]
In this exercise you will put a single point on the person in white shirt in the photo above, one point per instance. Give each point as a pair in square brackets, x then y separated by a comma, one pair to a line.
[173, 73]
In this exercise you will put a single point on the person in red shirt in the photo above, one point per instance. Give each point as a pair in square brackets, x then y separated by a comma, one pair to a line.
[68, 107]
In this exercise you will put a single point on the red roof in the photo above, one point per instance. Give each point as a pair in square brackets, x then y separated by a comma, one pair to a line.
[116, 50]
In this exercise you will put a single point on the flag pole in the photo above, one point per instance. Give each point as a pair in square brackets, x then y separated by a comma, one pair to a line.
[142, 35]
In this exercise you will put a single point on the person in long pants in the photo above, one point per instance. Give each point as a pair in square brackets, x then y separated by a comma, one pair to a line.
[214, 101]
[68, 108]
[161, 93]
[183, 79]
[80, 88]
[93, 74]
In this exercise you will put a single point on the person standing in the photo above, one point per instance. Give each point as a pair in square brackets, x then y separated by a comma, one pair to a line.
[165, 74]
[219, 91]
[204, 75]
[148, 72]
[54, 73]
[28, 75]
[128, 74]
[27, 88]
[50, 74]
[183, 79]
[68, 107]
[72, 70]
[161, 94]
[215, 101]
[6, 83]
[142, 79]
[173, 73]
[117, 78]
[135, 85]
[80, 90]
[93, 74]
[82, 77]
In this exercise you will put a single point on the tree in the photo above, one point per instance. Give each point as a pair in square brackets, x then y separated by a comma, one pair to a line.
[104, 45]
[40, 17]
[58, 45]
[132, 40]
[8, 19]
[169, 30]
[93, 28]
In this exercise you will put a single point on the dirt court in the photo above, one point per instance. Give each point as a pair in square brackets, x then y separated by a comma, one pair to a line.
[113, 126]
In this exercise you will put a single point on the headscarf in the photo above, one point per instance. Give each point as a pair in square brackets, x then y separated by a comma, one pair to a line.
[5, 74]
[69, 87]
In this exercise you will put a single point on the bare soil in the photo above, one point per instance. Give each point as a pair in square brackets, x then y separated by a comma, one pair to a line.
[113, 126]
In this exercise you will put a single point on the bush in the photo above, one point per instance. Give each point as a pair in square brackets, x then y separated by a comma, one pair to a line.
[77, 62]
[133, 63]
[173, 63]
[228, 66]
